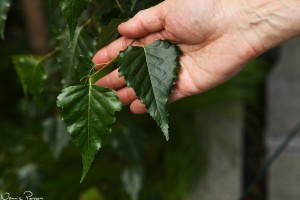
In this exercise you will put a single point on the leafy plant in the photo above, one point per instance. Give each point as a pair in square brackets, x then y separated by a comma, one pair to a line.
[88, 109]
[134, 162]
[129, 158]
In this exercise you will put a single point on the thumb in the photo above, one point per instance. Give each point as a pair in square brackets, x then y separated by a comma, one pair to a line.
[144, 22]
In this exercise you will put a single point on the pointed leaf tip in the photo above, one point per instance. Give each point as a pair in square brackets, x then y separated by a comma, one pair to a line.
[72, 10]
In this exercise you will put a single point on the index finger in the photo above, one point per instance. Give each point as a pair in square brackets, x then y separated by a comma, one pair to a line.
[111, 51]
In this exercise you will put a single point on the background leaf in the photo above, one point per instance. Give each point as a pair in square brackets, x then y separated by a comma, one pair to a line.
[72, 10]
[132, 179]
[88, 111]
[109, 32]
[82, 44]
[152, 75]
[92, 193]
[31, 73]
[4, 8]
[55, 135]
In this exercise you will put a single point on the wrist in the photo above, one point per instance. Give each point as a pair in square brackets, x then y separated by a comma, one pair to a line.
[267, 23]
[275, 21]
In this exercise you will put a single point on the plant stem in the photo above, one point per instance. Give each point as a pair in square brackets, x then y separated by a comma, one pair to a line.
[47, 56]
[110, 67]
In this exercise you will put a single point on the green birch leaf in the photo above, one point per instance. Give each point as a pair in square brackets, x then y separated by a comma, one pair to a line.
[152, 71]
[89, 112]
[31, 72]
[109, 33]
[68, 57]
[72, 10]
[4, 8]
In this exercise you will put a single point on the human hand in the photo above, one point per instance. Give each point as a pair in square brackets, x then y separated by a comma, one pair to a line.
[217, 38]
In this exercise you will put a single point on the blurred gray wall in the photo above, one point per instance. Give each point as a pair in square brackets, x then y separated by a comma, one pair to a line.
[283, 115]
[223, 178]
[223, 141]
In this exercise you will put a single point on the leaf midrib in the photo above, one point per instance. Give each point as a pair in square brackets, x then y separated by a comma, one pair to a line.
[89, 113]
[152, 88]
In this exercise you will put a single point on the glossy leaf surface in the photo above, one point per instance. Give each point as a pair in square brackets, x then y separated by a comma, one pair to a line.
[152, 71]
[89, 112]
